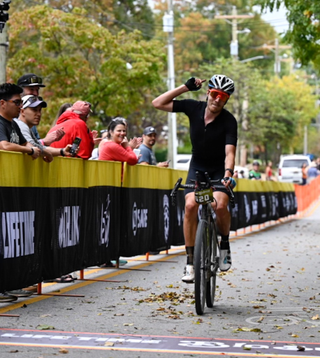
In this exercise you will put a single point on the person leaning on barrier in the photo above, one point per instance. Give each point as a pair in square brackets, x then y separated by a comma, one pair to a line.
[31, 84]
[30, 116]
[148, 141]
[117, 148]
[74, 123]
[213, 133]
[11, 138]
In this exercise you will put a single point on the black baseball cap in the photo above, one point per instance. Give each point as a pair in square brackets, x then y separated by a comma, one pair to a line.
[29, 80]
[149, 130]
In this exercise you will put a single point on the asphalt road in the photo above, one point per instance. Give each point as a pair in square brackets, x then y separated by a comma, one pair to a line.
[267, 305]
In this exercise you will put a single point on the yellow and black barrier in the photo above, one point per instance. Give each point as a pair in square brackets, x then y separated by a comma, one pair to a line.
[71, 214]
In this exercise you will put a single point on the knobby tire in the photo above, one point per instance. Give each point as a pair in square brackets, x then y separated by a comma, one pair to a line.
[211, 283]
[200, 274]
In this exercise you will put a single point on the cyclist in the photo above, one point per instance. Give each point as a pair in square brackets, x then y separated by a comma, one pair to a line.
[213, 133]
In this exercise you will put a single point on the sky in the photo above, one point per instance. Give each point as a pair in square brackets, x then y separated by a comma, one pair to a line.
[277, 19]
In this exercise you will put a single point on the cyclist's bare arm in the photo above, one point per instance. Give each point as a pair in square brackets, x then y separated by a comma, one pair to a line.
[165, 101]
[229, 161]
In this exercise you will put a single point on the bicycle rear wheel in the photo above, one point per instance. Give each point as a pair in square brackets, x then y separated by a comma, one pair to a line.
[201, 259]
[214, 263]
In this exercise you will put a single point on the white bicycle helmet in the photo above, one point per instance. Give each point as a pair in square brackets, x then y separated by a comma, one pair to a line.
[222, 82]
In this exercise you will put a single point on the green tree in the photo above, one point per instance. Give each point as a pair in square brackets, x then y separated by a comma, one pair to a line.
[304, 31]
[79, 59]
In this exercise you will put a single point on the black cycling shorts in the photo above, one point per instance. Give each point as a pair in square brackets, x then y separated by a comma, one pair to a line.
[214, 175]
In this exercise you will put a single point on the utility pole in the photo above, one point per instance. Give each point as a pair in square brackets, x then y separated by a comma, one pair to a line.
[3, 54]
[4, 17]
[234, 47]
[277, 59]
[168, 21]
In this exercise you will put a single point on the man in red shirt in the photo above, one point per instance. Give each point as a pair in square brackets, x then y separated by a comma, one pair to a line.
[74, 123]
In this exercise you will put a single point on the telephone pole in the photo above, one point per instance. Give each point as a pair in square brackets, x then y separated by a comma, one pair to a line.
[3, 54]
[234, 47]
[276, 50]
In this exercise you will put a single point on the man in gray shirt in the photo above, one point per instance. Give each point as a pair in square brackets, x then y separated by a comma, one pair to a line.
[148, 141]
[30, 115]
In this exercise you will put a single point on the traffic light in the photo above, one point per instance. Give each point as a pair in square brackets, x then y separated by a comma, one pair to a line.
[4, 16]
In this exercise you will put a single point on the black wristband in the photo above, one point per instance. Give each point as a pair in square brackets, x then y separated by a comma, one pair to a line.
[32, 151]
[62, 152]
[229, 170]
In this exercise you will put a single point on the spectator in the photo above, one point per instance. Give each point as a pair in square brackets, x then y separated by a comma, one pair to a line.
[117, 148]
[304, 169]
[148, 141]
[241, 174]
[236, 174]
[312, 171]
[30, 116]
[104, 138]
[254, 172]
[11, 137]
[31, 84]
[73, 120]
[268, 171]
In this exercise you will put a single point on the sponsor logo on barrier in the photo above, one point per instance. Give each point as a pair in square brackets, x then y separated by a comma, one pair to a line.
[139, 218]
[264, 205]
[254, 204]
[105, 222]
[247, 208]
[274, 202]
[18, 233]
[166, 217]
[69, 230]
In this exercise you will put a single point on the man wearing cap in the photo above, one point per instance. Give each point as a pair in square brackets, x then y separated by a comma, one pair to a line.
[30, 116]
[254, 172]
[148, 141]
[31, 84]
[11, 138]
[73, 120]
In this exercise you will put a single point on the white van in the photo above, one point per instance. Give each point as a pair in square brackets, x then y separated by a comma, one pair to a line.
[289, 169]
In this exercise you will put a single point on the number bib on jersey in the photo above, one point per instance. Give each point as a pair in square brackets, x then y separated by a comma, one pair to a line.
[204, 196]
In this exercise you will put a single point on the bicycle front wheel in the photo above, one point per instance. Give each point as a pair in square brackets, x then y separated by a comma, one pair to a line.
[214, 264]
[201, 259]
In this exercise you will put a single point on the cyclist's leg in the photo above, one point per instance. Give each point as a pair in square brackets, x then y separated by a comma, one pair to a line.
[223, 223]
[190, 223]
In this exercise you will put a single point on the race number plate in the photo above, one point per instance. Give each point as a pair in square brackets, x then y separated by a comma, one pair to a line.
[204, 196]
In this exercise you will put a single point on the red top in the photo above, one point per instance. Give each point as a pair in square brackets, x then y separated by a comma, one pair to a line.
[115, 152]
[74, 126]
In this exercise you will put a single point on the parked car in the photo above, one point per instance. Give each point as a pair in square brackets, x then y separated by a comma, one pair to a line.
[289, 169]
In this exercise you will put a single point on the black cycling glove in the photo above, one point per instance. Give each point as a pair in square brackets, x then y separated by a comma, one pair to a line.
[192, 85]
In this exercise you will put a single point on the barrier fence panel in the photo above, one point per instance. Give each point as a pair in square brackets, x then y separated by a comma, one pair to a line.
[150, 220]
[261, 201]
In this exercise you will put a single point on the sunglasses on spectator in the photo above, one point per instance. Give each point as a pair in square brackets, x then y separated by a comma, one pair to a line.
[119, 119]
[31, 80]
[17, 102]
[219, 94]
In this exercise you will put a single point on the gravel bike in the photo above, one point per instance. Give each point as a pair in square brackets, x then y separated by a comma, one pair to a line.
[206, 253]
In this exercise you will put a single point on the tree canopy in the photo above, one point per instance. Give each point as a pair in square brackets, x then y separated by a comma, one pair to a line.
[304, 32]
[79, 59]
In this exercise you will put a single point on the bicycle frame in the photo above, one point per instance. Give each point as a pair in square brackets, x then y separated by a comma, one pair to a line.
[206, 259]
